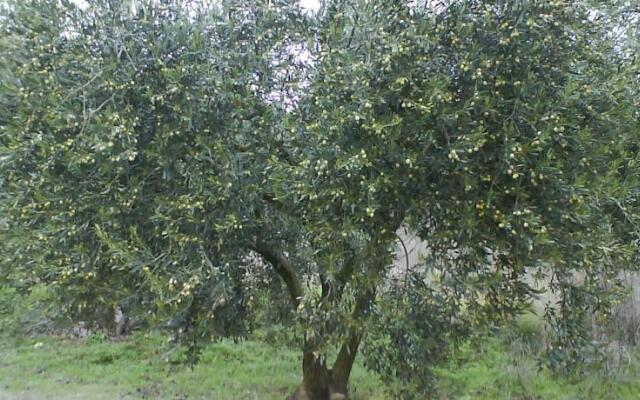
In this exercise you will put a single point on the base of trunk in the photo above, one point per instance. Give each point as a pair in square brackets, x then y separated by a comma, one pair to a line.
[303, 393]
[322, 383]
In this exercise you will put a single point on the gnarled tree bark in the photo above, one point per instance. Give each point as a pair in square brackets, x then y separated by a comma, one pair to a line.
[283, 267]
[319, 382]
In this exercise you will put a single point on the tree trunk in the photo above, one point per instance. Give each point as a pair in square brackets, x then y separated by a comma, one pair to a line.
[344, 362]
[319, 382]
[322, 383]
[122, 322]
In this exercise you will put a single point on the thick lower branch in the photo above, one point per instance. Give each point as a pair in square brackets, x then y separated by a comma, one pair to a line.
[283, 267]
[347, 355]
[345, 274]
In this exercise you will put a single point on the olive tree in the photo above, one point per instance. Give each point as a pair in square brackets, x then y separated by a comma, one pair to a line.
[155, 150]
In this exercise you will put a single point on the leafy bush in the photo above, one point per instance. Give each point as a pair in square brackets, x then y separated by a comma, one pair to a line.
[28, 313]
[409, 338]
[527, 333]
[96, 338]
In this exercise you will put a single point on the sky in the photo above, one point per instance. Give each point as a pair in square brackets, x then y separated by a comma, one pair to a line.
[310, 4]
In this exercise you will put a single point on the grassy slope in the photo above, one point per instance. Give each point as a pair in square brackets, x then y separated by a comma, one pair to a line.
[141, 368]
[138, 368]
[495, 372]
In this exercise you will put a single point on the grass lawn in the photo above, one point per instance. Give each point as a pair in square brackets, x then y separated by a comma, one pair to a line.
[494, 372]
[142, 367]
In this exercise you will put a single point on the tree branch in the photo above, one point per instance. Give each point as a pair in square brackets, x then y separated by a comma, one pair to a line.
[344, 362]
[283, 267]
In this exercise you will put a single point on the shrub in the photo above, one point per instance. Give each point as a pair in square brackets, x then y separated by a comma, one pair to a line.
[527, 333]
[26, 313]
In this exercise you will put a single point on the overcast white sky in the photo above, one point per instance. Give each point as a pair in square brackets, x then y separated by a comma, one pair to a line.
[310, 4]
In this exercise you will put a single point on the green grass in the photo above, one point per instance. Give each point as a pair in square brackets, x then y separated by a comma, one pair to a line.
[141, 367]
[495, 371]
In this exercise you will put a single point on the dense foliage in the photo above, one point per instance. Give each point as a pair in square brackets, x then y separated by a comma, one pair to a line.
[175, 157]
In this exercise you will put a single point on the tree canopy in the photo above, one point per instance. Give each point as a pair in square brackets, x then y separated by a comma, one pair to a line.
[158, 150]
